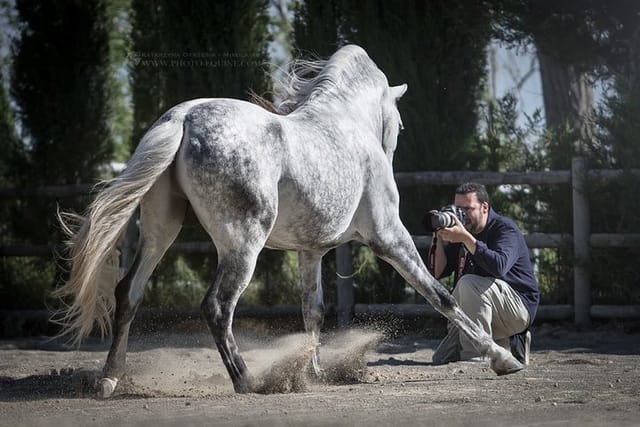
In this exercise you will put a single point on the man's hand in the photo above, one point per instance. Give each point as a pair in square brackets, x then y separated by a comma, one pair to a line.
[458, 234]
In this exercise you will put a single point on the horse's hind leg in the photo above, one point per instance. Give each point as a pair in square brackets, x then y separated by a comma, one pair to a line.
[312, 301]
[161, 216]
[235, 268]
[397, 248]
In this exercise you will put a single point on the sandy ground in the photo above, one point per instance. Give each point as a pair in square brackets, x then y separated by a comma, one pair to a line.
[176, 379]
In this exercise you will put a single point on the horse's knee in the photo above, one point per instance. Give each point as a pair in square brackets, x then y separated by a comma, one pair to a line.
[126, 303]
[447, 301]
[208, 310]
[214, 316]
[441, 299]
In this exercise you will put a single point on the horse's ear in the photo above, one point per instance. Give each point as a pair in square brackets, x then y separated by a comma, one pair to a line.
[398, 91]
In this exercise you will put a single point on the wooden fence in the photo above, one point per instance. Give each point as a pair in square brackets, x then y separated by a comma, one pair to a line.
[581, 240]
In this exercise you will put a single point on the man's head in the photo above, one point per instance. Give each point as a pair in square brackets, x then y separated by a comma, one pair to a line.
[474, 200]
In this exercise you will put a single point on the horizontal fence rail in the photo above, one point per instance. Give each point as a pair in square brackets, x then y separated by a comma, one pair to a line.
[534, 241]
[580, 241]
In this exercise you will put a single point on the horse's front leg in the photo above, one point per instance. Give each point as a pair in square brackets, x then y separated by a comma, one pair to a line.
[396, 246]
[312, 302]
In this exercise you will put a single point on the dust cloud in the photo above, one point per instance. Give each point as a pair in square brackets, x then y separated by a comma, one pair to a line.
[177, 366]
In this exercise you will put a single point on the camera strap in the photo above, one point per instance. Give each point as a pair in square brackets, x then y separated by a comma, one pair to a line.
[461, 264]
[431, 259]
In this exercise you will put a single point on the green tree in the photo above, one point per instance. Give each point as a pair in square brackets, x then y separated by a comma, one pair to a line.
[59, 74]
[316, 27]
[438, 49]
[58, 82]
[579, 42]
[118, 22]
[614, 278]
[12, 158]
[208, 49]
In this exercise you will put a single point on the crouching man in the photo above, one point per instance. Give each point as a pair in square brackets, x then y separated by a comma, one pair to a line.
[494, 280]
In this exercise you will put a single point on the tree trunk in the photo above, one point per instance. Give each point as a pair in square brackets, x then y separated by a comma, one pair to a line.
[568, 100]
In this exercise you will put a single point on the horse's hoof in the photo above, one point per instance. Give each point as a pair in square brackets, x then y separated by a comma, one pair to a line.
[504, 363]
[243, 386]
[106, 387]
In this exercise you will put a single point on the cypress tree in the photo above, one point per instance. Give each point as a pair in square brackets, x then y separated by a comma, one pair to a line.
[210, 49]
[438, 49]
[58, 80]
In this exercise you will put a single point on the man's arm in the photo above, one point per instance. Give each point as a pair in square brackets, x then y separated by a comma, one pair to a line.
[497, 258]
[440, 258]
[501, 253]
[459, 234]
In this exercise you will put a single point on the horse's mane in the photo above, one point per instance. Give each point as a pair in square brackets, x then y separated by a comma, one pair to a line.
[304, 78]
[294, 87]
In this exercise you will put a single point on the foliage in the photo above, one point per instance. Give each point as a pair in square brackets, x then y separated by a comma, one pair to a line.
[614, 276]
[178, 286]
[25, 283]
[13, 158]
[58, 84]
[597, 36]
[58, 81]
[601, 39]
[88, 78]
[275, 283]
[118, 15]
[375, 280]
[438, 49]
[209, 49]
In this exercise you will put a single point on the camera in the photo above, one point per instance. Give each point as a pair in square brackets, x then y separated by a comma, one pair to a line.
[438, 219]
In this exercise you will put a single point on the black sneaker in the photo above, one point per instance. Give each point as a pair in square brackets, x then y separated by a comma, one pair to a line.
[521, 346]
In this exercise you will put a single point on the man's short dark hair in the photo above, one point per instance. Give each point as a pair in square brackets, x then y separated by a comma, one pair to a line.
[474, 187]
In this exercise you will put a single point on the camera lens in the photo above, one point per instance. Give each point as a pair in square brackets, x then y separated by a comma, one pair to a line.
[441, 220]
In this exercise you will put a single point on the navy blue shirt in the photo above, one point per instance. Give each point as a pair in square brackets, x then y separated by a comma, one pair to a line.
[501, 252]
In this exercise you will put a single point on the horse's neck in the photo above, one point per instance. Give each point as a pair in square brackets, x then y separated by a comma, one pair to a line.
[331, 112]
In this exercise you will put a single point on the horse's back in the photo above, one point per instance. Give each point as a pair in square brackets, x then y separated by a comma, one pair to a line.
[302, 180]
[231, 139]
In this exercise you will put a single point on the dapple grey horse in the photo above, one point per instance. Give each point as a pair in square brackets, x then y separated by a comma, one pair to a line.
[309, 179]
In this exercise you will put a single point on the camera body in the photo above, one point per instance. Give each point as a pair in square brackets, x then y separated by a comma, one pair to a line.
[438, 219]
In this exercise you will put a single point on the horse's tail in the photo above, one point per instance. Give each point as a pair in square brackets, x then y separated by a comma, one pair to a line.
[92, 241]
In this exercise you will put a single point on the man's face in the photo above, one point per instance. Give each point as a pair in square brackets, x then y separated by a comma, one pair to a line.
[476, 212]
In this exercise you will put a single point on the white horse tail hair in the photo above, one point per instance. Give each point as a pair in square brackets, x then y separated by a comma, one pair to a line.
[93, 254]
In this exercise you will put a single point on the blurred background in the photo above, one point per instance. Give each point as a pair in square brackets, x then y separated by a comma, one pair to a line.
[494, 85]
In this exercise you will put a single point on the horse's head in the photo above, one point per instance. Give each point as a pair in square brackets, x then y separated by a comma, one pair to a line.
[391, 120]
[363, 77]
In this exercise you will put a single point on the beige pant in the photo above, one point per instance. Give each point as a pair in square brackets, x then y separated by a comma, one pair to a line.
[494, 306]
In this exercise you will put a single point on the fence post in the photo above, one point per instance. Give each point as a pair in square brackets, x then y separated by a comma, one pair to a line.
[344, 285]
[581, 248]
